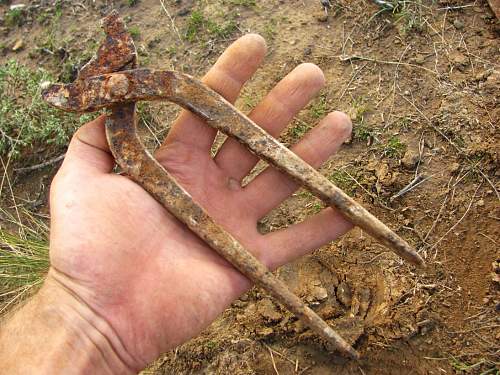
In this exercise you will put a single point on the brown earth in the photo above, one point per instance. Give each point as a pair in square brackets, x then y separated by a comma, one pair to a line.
[422, 88]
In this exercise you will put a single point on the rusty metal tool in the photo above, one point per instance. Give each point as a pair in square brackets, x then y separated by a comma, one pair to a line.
[111, 81]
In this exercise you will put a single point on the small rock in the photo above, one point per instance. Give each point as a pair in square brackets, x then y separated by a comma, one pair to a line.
[459, 25]
[18, 45]
[17, 6]
[319, 293]
[268, 311]
[410, 159]
[264, 331]
[454, 167]
[307, 51]
[321, 16]
[344, 294]
[381, 171]
[183, 12]
[480, 203]
[299, 326]
[364, 301]
[327, 311]
[420, 60]
[481, 76]
[459, 60]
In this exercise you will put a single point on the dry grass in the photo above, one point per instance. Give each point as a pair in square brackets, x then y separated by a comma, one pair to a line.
[24, 258]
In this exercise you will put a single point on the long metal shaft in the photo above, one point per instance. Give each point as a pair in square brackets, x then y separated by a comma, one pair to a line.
[144, 84]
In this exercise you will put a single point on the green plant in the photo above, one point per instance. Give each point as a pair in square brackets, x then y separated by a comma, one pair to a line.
[194, 25]
[319, 108]
[270, 29]
[298, 129]
[131, 3]
[394, 148]
[221, 30]
[14, 17]
[198, 23]
[24, 259]
[134, 31]
[481, 367]
[342, 180]
[362, 132]
[407, 13]
[25, 119]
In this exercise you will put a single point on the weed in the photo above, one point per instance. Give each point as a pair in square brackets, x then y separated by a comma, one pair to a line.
[245, 3]
[194, 25]
[198, 23]
[319, 108]
[342, 180]
[249, 99]
[131, 3]
[394, 148]
[211, 344]
[270, 29]
[298, 129]
[363, 132]
[25, 120]
[14, 17]
[407, 13]
[24, 259]
[134, 31]
[359, 107]
[221, 31]
[316, 207]
[489, 367]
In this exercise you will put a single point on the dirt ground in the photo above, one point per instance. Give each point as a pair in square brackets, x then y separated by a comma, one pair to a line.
[421, 85]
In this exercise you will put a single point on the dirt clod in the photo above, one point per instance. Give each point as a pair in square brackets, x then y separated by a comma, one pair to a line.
[268, 310]
[410, 158]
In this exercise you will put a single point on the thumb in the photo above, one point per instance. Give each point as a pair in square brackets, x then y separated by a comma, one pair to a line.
[88, 150]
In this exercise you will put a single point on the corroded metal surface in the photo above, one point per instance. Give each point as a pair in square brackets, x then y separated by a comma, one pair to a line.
[144, 84]
[110, 80]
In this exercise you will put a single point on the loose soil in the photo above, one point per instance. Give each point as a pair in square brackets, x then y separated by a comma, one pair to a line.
[422, 88]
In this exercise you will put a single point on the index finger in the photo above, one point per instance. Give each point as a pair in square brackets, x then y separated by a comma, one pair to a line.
[233, 68]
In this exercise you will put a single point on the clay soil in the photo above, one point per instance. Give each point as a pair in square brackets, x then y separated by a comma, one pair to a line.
[422, 88]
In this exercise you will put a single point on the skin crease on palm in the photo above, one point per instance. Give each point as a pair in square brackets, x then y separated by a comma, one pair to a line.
[151, 281]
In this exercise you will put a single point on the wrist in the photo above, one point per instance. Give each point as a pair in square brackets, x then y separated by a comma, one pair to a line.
[55, 332]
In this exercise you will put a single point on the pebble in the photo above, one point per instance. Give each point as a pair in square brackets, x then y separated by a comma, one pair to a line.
[410, 159]
[319, 293]
[321, 16]
[183, 12]
[268, 311]
[459, 25]
[265, 331]
[420, 60]
[454, 167]
[344, 294]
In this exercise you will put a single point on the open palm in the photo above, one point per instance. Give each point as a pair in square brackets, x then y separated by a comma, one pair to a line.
[142, 271]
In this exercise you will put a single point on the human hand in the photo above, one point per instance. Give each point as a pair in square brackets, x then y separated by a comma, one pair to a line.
[149, 282]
